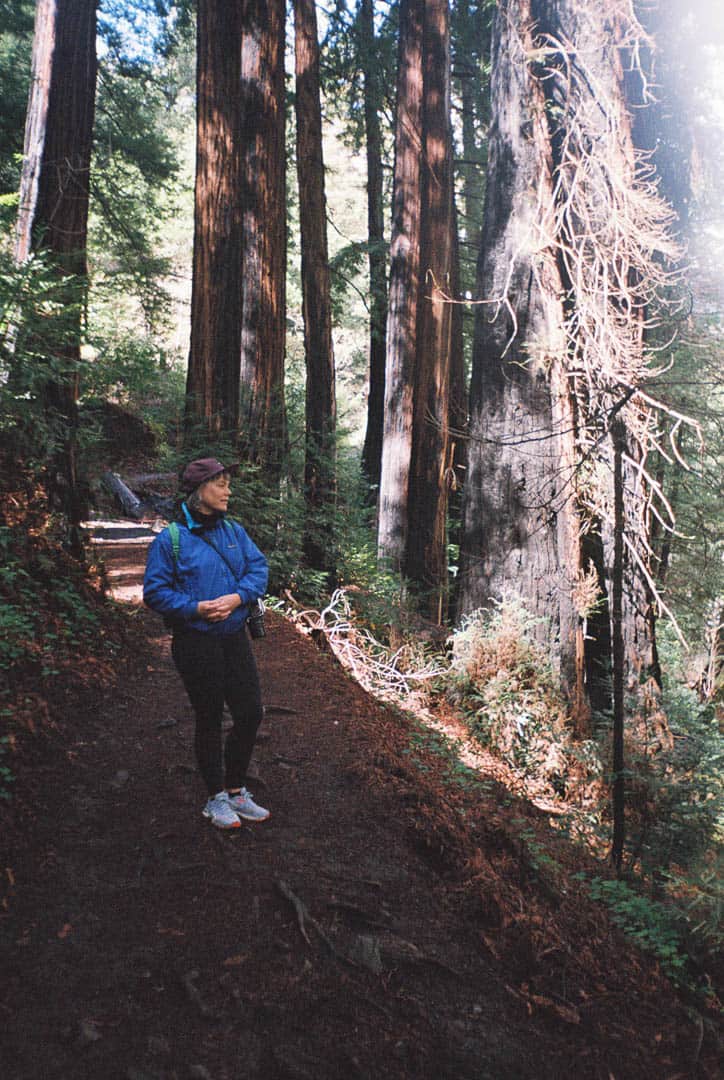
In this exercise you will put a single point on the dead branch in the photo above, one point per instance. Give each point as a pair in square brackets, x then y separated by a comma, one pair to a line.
[389, 675]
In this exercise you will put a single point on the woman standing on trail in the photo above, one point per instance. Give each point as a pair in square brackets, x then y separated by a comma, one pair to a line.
[203, 573]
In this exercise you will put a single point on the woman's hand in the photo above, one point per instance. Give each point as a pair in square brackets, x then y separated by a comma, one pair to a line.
[219, 609]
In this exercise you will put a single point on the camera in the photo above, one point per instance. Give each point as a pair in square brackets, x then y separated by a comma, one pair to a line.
[255, 620]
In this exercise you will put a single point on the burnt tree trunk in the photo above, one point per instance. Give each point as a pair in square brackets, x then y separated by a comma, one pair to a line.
[53, 211]
[521, 525]
[403, 293]
[212, 385]
[320, 409]
[263, 180]
[372, 449]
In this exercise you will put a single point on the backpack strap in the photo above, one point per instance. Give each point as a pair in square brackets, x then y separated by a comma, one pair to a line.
[174, 533]
[175, 543]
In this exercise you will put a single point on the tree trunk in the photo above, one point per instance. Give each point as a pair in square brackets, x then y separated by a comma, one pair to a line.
[212, 385]
[403, 296]
[599, 56]
[618, 438]
[571, 228]
[372, 450]
[319, 471]
[520, 518]
[422, 350]
[263, 329]
[426, 556]
[53, 211]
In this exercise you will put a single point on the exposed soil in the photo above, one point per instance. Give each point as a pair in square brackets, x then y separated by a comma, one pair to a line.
[380, 925]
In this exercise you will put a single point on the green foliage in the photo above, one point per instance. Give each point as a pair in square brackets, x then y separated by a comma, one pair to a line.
[135, 189]
[426, 740]
[653, 927]
[44, 616]
[536, 856]
[6, 775]
[679, 836]
[38, 329]
[345, 265]
[16, 35]
[343, 60]
[138, 374]
[502, 680]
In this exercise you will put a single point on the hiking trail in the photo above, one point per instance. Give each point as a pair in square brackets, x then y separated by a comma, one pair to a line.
[368, 929]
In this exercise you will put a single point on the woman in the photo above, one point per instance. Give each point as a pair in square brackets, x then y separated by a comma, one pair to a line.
[202, 574]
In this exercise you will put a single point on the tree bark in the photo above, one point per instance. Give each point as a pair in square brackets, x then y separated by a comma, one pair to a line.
[320, 408]
[520, 518]
[263, 185]
[618, 438]
[372, 449]
[212, 385]
[403, 295]
[426, 555]
[423, 333]
[601, 47]
[53, 210]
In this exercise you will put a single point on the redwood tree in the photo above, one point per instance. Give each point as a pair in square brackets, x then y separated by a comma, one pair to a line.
[423, 346]
[573, 242]
[263, 190]
[520, 516]
[372, 75]
[212, 385]
[403, 291]
[53, 209]
[320, 413]
[426, 558]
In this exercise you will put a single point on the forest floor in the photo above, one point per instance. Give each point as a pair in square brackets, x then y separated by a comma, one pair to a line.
[384, 923]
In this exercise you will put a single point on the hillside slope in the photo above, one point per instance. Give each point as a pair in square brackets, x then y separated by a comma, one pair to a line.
[381, 924]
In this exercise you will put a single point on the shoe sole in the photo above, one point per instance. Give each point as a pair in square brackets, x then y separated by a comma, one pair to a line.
[254, 820]
[220, 824]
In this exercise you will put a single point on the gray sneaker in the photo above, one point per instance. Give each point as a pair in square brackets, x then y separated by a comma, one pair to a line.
[243, 805]
[219, 812]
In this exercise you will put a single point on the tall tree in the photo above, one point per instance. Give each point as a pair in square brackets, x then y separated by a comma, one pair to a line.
[263, 177]
[372, 74]
[426, 559]
[212, 385]
[320, 411]
[518, 496]
[403, 291]
[53, 207]
[567, 269]
[423, 336]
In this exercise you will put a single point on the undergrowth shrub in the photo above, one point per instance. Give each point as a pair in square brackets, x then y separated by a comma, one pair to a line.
[655, 928]
[502, 680]
[6, 774]
[679, 843]
[49, 613]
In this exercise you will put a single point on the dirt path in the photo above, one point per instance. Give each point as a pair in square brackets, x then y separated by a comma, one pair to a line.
[340, 939]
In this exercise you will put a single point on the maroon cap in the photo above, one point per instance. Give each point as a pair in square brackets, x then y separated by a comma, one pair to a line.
[203, 469]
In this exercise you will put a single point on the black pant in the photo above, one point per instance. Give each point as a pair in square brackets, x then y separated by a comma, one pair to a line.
[217, 669]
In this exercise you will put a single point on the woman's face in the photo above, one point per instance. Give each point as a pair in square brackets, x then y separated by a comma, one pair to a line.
[213, 496]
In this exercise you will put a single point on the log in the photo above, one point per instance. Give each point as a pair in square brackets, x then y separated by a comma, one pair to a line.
[129, 502]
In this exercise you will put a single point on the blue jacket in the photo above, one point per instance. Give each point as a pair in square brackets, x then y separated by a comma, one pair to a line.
[174, 586]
